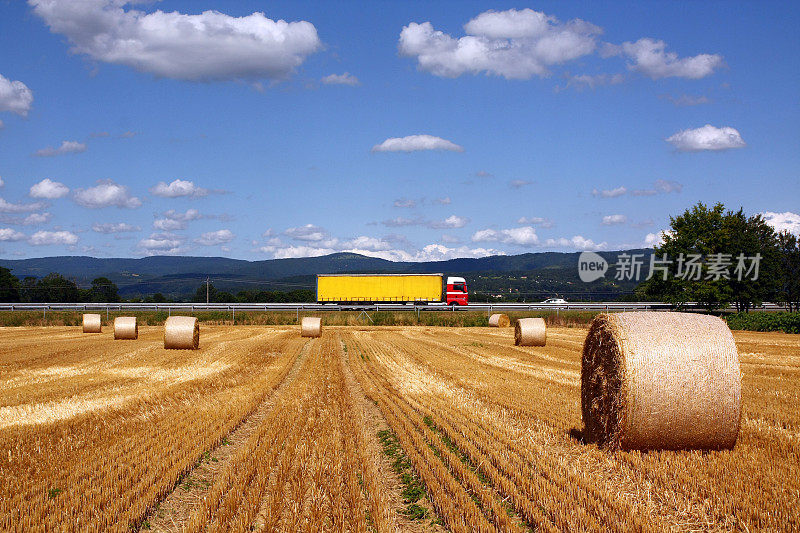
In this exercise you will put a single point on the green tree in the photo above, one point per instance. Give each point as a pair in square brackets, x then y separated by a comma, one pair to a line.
[55, 288]
[787, 290]
[719, 237]
[9, 286]
[104, 290]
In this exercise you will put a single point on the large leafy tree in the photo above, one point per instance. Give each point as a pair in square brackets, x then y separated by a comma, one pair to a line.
[727, 244]
[9, 286]
[51, 288]
[104, 290]
[788, 281]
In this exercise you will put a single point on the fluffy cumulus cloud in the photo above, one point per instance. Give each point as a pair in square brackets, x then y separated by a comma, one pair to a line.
[178, 188]
[577, 242]
[341, 79]
[649, 57]
[67, 147]
[451, 222]
[44, 238]
[205, 47]
[707, 138]
[168, 224]
[613, 220]
[416, 143]
[309, 233]
[405, 202]
[15, 97]
[186, 216]
[215, 238]
[609, 193]
[49, 189]
[8, 207]
[114, 227]
[105, 194]
[787, 221]
[652, 240]
[430, 252]
[161, 244]
[36, 219]
[515, 44]
[522, 236]
[11, 235]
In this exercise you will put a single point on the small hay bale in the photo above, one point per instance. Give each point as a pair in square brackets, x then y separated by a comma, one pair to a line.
[499, 320]
[654, 380]
[530, 332]
[181, 333]
[311, 327]
[125, 327]
[92, 323]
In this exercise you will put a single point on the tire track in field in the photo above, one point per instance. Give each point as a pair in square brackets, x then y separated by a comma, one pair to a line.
[172, 512]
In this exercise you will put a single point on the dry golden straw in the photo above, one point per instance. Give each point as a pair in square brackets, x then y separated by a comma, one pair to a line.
[181, 333]
[499, 320]
[661, 381]
[125, 327]
[92, 323]
[311, 327]
[530, 332]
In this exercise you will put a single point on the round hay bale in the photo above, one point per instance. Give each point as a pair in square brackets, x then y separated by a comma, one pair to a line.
[311, 327]
[92, 323]
[125, 327]
[181, 333]
[499, 320]
[654, 380]
[530, 332]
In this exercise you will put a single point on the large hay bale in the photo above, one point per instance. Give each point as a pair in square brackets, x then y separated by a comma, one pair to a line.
[181, 333]
[92, 323]
[654, 380]
[499, 320]
[530, 332]
[125, 327]
[311, 327]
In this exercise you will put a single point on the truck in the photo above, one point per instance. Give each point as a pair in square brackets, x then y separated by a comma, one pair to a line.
[391, 288]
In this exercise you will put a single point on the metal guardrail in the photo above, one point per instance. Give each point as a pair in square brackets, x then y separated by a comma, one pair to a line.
[233, 307]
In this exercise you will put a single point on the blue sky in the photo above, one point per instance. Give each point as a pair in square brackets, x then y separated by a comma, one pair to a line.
[404, 130]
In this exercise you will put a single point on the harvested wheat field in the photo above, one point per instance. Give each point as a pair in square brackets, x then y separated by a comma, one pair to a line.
[364, 429]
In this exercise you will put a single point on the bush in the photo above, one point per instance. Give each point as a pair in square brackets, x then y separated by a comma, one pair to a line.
[764, 321]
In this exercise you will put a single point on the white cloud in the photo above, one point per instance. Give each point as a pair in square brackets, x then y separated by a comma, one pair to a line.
[650, 59]
[178, 188]
[49, 189]
[513, 44]
[161, 244]
[659, 187]
[105, 194]
[214, 238]
[611, 220]
[536, 221]
[399, 222]
[652, 240]
[518, 184]
[787, 221]
[43, 238]
[707, 138]
[205, 47]
[609, 193]
[453, 221]
[577, 242]
[111, 227]
[522, 236]
[67, 147]
[341, 79]
[405, 202]
[7, 207]
[414, 143]
[582, 81]
[309, 232]
[11, 235]
[15, 97]
[34, 219]
[187, 216]
[443, 201]
[168, 224]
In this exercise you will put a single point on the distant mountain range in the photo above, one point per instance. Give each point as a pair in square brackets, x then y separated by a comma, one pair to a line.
[179, 276]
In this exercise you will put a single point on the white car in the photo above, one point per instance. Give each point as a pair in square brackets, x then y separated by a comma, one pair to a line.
[555, 301]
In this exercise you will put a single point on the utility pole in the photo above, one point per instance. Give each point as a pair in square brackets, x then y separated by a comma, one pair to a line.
[206, 290]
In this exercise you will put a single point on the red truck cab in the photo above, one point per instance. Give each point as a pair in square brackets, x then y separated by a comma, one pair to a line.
[456, 291]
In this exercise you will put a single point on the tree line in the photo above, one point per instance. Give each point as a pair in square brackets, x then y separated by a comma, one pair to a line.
[743, 261]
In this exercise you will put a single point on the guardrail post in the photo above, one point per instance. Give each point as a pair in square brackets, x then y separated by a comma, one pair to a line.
[234, 315]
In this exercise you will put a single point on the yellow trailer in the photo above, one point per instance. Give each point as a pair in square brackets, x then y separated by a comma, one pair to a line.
[379, 288]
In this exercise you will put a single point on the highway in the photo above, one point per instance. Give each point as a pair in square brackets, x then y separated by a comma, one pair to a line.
[440, 307]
